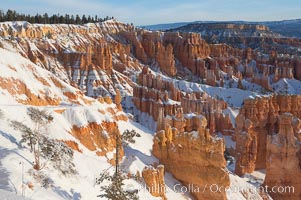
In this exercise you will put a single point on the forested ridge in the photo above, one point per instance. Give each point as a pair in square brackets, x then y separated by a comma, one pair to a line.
[12, 15]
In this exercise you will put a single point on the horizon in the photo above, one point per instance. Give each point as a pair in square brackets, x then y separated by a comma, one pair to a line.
[144, 13]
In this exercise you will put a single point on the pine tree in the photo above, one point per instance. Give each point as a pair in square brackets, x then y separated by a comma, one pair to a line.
[67, 19]
[78, 20]
[45, 19]
[34, 136]
[72, 20]
[10, 15]
[28, 135]
[1, 16]
[84, 19]
[114, 190]
[59, 154]
[89, 19]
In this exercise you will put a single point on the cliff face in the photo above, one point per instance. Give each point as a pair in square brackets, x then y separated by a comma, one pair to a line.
[258, 119]
[194, 157]
[283, 158]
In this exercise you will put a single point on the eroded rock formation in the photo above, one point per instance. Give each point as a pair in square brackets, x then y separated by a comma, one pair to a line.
[283, 159]
[258, 119]
[194, 157]
[160, 98]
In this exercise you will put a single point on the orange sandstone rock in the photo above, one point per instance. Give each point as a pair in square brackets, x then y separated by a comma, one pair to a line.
[193, 158]
[154, 179]
[283, 160]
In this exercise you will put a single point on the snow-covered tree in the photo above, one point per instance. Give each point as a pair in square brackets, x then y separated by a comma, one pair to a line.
[60, 155]
[28, 135]
[32, 137]
[114, 190]
[123, 140]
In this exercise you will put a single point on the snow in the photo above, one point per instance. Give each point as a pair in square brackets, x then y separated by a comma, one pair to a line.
[233, 112]
[287, 86]
[240, 189]
[82, 185]
[6, 195]
[230, 144]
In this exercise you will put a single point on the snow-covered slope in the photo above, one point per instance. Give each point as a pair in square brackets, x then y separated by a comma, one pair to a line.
[287, 86]
[16, 161]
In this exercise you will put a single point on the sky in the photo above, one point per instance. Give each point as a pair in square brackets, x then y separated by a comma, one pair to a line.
[146, 12]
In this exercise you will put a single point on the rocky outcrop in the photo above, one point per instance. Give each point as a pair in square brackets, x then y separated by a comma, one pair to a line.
[154, 180]
[256, 121]
[283, 159]
[97, 137]
[194, 157]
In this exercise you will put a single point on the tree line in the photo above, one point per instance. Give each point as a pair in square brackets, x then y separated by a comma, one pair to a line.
[12, 15]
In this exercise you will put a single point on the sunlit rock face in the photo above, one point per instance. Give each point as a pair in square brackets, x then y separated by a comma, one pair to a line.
[283, 158]
[257, 120]
[193, 156]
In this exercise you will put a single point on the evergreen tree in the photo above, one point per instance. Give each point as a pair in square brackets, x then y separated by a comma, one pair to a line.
[1, 16]
[10, 15]
[78, 20]
[84, 19]
[60, 155]
[45, 19]
[72, 20]
[114, 190]
[67, 19]
[61, 20]
[33, 137]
